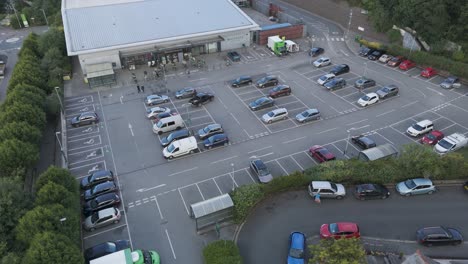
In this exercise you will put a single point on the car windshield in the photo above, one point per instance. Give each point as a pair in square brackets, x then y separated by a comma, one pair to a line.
[94, 204]
[305, 113]
[296, 253]
[445, 144]
[277, 88]
[207, 129]
[271, 114]
[365, 98]
[159, 124]
[417, 127]
[333, 228]
[324, 77]
[333, 186]
[260, 101]
[410, 184]
[431, 137]
[170, 137]
[94, 217]
[170, 148]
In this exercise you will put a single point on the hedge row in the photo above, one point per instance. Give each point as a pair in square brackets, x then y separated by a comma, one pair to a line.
[222, 252]
[414, 161]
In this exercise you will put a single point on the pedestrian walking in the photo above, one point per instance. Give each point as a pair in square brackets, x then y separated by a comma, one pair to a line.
[138, 88]
[317, 198]
[188, 73]
[142, 89]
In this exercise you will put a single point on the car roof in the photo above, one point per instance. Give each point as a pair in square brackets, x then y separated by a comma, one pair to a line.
[321, 184]
[282, 86]
[389, 86]
[424, 122]
[436, 132]
[433, 230]
[102, 172]
[312, 110]
[213, 126]
[180, 132]
[259, 163]
[422, 181]
[103, 185]
[367, 186]
[329, 75]
[371, 94]
[219, 135]
[347, 226]
[106, 196]
[366, 140]
[279, 110]
[297, 239]
[105, 212]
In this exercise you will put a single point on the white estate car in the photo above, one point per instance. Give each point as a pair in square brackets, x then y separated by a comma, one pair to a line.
[323, 61]
[420, 128]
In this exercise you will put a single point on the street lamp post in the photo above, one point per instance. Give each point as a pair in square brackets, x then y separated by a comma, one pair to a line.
[349, 23]
[45, 17]
[60, 100]
[61, 147]
[232, 177]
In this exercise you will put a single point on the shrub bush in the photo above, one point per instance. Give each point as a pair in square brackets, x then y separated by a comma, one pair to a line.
[244, 199]
[222, 252]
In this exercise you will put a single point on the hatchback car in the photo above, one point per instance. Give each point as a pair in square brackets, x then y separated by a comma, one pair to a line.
[340, 69]
[234, 56]
[267, 81]
[241, 81]
[160, 116]
[387, 91]
[371, 191]
[365, 51]
[368, 99]
[363, 142]
[428, 72]
[323, 61]
[153, 112]
[308, 115]
[327, 189]
[321, 154]
[395, 61]
[176, 135]
[325, 78]
[363, 83]
[102, 201]
[375, 55]
[385, 58]
[335, 84]
[340, 230]
[105, 248]
[102, 218]
[439, 235]
[96, 178]
[465, 186]
[280, 90]
[275, 115]
[260, 170]
[432, 137]
[451, 82]
[415, 186]
[216, 140]
[201, 98]
[88, 118]
[407, 65]
[188, 92]
[420, 128]
[102, 188]
[314, 52]
[262, 102]
[297, 248]
[210, 130]
[155, 99]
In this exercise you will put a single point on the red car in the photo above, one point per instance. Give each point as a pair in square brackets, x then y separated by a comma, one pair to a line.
[340, 230]
[432, 137]
[428, 72]
[407, 64]
[321, 154]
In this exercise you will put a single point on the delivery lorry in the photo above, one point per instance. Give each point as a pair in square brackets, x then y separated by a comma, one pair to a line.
[127, 256]
[277, 45]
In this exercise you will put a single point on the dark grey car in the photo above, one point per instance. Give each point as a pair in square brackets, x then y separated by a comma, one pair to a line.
[267, 81]
[180, 134]
[387, 91]
[261, 103]
[88, 118]
[308, 115]
[96, 178]
[363, 142]
[188, 92]
[335, 84]
[364, 82]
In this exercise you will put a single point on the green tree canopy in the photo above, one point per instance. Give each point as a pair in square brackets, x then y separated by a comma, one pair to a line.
[222, 252]
[22, 131]
[50, 247]
[21, 96]
[30, 43]
[53, 38]
[53, 58]
[340, 251]
[30, 88]
[52, 193]
[59, 176]
[418, 161]
[16, 154]
[27, 71]
[33, 115]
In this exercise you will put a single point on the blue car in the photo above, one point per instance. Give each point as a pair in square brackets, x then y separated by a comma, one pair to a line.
[297, 248]
[216, 140]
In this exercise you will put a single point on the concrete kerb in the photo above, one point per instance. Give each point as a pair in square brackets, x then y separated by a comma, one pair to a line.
[63, 150]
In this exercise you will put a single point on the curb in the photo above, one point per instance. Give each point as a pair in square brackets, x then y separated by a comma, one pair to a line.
[236, 233]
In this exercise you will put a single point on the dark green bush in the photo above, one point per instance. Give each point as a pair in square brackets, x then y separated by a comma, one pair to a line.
[245, 198]
[222, 252]
[296, 180]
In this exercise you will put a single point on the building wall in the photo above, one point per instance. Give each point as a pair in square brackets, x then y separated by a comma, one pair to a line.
[292, 32]
[100, 57]
[236, 40]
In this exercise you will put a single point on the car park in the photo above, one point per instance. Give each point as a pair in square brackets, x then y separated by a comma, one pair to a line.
[314, 52]
[267, 81]
[155, 99]
[154, 111]
[365, 51]
[180, 147]
[258, 167]
[96, 178]
[432, 137]
[321, 154]
[325, 78]
[105, 249]
[385, 58]
[327, 189]
[371, 191]
[335, 84]
[451, 82]
[275, 115]
[323, 61]
[297, 248]
[234, 56]
[100, 189]
[339, 69]
[188, 92]
[363, 83]
[210, 130]
[415, 186]
[368, 99]
[102, 218]
[340, 230]
[407, 65]
[420, 128]
[176, 135]
[201, 98]
[280, 90]
[88, 118]
[215, 141]
[428, 72]
[100, 202]
[439, 236]
[395, 61]
[363, 142]
[375, 55]
[261, 103]
[387, 91]
[241, 81]
[308, 115]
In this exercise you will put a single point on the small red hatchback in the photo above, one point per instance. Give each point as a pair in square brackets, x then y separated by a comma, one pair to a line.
[428, 72]
[432, 137]
[407, 64]
[340, 230]
[321, 153]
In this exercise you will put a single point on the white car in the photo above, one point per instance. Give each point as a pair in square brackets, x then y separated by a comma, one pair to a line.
[323, 61]
[153, 112]
[385, 58]
[368, 99]
[325, 78]
[421, 127]
[275, 115]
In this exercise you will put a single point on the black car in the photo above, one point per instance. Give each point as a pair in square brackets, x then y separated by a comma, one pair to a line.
[96, 178]
[261, 103]
[375, 55]
[371, 191]
[267, 81]
[188, 92]
[105, 248]
[201, 98]
[365, 51]
[334, 84]
[314, 52]
[179, 134]
[363, 142]
[439, 235]
[339, 69]
[465, 186]
[102, 201]
[216, 140]
[387, 91]
[234, 56]
[102, 188]
[88, 118]
[240, 81]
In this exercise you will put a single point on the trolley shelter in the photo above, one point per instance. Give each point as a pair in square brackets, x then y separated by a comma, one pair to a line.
[379, 152]
[212, 211]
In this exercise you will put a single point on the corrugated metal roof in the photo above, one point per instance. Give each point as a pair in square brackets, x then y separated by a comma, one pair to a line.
[275, 26]
[147, 22]
[379, 151]
[212, 205]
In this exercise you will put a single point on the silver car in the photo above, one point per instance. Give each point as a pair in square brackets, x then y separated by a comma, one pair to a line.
[415, 186]
[155, 99]
[275, 115]
[102, 218]
[153, 112]
[308, 115]
[327, 189]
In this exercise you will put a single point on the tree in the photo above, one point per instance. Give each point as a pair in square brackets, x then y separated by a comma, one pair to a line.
[52, 193]
[54, 37]
[33, 115]
[59, 176]
[418, 161]
[49, 247]
[31, 43]
[27, 71]
[30, 88]
[21, 131]
[53, 58]
[340, 251]
[222, 252]
[21, 96]
[16, 154]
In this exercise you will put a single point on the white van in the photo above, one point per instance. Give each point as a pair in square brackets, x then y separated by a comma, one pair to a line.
[167, 124]
[180, 147]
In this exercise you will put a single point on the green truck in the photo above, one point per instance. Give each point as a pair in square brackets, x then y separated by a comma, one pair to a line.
[127, 256]
[277, 45]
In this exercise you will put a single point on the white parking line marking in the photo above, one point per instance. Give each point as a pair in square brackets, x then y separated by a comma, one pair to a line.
[237, 121]
[388, 112]
[449, 126]
[203, 197]
[157, 205]
[296, 162]
[185, 205]
[458, 107]
[268, 154]
[214, 162]
[435, 91]
[292, 140]
[286, 173]
[175, 173]
[151, 188]
[170, 243]
[328, 130]
[225, 107]
[248, 172]
[250, 152]
[406, 105]
[219, 189]
[357, 122]
[102, 232]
